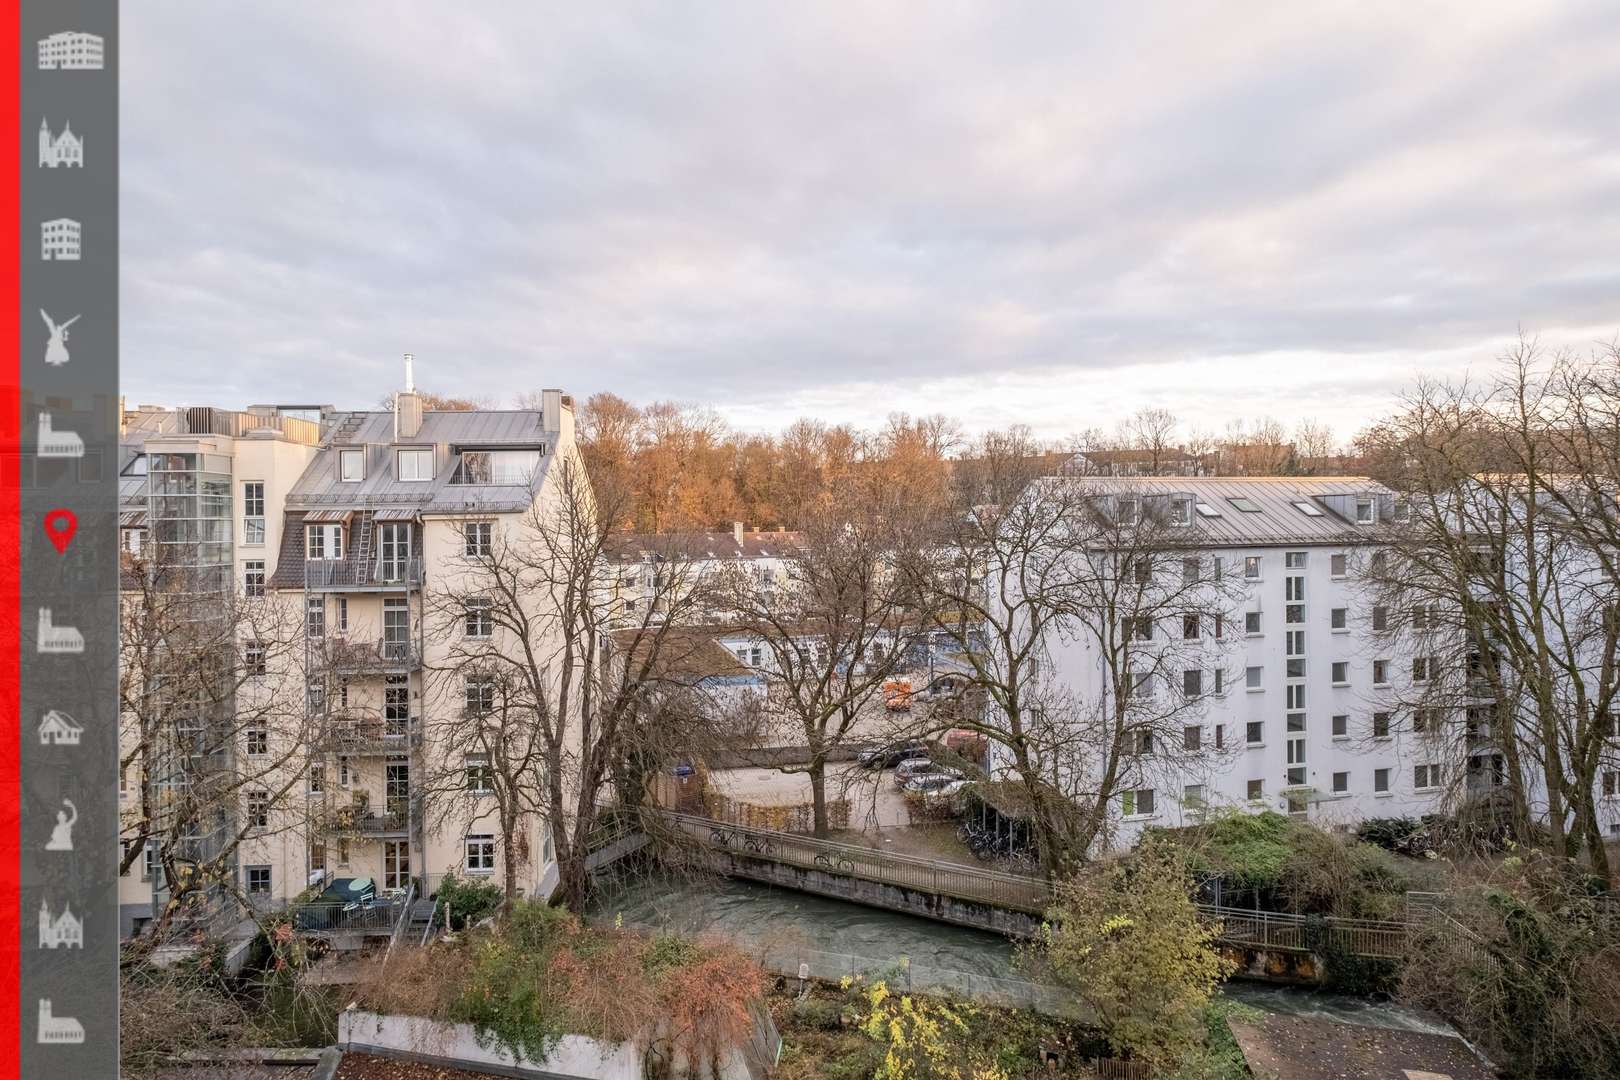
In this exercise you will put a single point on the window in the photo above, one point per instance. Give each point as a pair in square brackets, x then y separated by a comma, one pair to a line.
[323, 541]
[1251, 622]
[1294, 643]
[1189, 627]
[351, 466]
[1341, 672]
[1294, 614]
[479, 621]
[1255, 732]
[1611, 784]
[1339, 618]
[1380, 721]
[1245, 505]
[1380, 672]
[1126, 510]
[1192, 682]
[258, 809]
[1338, 565]
[253, 658]
[1380, 779]
[1425, 720]
[256, 880]
[315, 695]
[496, 467]
[415, 465]
[1364, 511]
[1252, 676]
[1141, 685]
[1308, 509]
[343, 773]
[1296, 721]
[1220, 625]
[1136, 802]
[1402, 509]
[480, 774]
[253, 577]
[317, 778]
[315, 617]
[1220, 736]
[1142, 567]
[1294, 560]
[1180, 511]
[1296, 695]
[1423, 668]
[479, 692]
[1139, 628]
[1380, 618]
[1425, 776]
[1191, 570]
[1380, 561]
[132, 541]
[1192, 737]
[1192, 795]
[480, 853]
[1341, 782]
[1220, 680]
[1257, 790]
[1206, 510]
[256, 741]
[1294, 590]
[253, 512]
[1141, 741]
[1251, 567]
[475, 538]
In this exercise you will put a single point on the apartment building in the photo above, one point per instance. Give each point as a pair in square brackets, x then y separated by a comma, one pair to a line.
[640, 564]
[1299, 702]
[195, 489]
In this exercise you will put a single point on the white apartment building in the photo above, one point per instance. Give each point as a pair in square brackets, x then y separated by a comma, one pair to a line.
[1299, 712]
[638, 563]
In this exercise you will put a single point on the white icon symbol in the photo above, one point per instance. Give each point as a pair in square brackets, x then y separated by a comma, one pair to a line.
[60, 1030]
[57, 639]
[62, 832]
[59, 240]
[66, 149]
[61, 932]
[59, 729]
[56, 353]
[71, 50]
[53, 443]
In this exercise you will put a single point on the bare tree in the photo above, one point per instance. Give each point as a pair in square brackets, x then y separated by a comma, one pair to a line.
[1153, 431]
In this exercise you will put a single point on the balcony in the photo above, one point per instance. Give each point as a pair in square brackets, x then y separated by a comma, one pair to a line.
[359, 736]
[362, 821]
[346, 656]
[369, 575]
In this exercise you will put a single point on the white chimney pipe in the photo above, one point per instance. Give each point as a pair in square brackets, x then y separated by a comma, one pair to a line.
[410, 385]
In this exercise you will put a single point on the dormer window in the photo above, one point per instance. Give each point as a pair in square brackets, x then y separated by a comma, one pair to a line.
[1402, 509]
[351, 466]
[323, 542]
[503, 467]
[1180, 510]
[1126, 510]
[1366, 510]
[415, 465]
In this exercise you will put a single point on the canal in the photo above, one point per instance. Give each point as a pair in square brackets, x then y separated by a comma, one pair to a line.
[784, 929]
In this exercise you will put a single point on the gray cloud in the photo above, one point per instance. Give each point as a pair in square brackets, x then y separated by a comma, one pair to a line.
[851, 209]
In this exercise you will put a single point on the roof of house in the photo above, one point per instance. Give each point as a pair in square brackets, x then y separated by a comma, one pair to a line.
[631, 547]
[448, 433]
[1276, 517]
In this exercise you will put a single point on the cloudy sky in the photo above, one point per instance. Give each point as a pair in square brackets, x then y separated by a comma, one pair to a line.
[1008, 212]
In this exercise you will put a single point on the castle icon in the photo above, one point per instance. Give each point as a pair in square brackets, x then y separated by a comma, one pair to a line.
[59, 240]
[59, 729]
[62, 932]
[66, 149]
[60, 1030]
[57, 639]
[54, 443]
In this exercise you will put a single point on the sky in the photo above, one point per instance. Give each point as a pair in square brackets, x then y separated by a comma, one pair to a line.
[1050, 214]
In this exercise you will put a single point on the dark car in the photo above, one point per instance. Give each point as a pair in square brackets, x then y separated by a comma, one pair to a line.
[887, 757]
[337, 904]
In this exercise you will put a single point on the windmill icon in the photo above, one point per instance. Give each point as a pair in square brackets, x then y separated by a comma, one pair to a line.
[56, 353]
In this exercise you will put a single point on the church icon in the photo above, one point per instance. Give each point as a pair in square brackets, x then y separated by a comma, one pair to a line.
[57, 639]
[59, 729]
[53, 443]
[65, 150]
[61, 931]
[58, 1030]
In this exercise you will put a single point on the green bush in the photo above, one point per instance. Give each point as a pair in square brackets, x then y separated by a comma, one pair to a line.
[469, 901]
[1248, 851]
[1389, 833]
[816, 1014]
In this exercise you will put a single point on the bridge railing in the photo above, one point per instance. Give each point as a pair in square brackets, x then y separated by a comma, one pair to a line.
[1015, 892]
[1305, 933]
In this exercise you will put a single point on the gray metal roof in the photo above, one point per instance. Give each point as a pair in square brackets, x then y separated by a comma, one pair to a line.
[1278, 520]
[445, 433]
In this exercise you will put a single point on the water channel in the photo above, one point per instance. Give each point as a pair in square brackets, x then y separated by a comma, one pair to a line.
[833, 938]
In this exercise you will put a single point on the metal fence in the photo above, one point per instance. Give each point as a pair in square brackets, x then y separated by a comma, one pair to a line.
[1308, 933]
[1014, 892]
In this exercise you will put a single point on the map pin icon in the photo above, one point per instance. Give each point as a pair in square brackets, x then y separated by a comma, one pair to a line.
[60, 525]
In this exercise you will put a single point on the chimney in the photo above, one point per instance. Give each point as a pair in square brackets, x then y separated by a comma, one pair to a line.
[407, 406]
[737, 532]
[551, 410]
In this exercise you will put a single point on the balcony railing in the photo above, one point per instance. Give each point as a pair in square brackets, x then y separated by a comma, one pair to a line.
[381, 916]
[363, 821]
[370, 574]
[358, 657]
[352, 735]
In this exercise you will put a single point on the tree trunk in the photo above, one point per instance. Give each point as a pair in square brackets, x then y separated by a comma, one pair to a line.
[818, 794]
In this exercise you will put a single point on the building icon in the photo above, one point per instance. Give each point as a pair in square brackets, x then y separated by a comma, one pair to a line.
[66, 149]
[57, 639]
[62, 932]
[57, 1029]
[52, 443]
[71, 50]
[59, 729]
[59, 240]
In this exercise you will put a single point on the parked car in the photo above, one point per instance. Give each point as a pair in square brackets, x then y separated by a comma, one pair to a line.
[922, 767]
[885, 757]
[939, 783]
[337, 904]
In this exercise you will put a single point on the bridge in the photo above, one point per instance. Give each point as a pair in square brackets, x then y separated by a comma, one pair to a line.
[1273, 943]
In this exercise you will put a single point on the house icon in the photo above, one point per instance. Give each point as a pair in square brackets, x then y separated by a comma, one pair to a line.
[66, 149]
[59, 729]
[61, 932]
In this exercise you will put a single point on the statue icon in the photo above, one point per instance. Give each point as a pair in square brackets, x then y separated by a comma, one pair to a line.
[62, 832]
[56, 353]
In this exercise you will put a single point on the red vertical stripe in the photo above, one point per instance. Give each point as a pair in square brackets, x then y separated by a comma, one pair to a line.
[10, 540]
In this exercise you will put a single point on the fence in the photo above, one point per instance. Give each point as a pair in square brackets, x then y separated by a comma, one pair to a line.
[1013, 892]
[794, 818]
[1309, 933]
